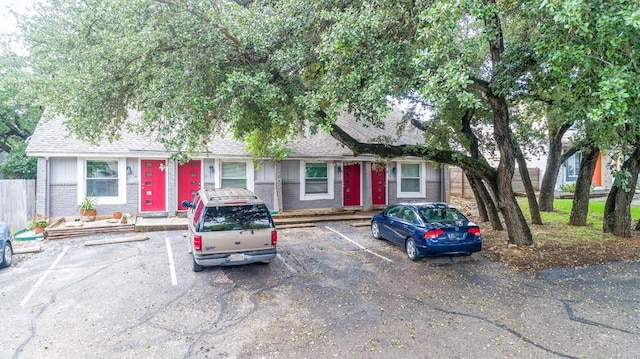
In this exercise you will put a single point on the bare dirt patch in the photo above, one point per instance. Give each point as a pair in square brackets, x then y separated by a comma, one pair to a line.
[551, 249]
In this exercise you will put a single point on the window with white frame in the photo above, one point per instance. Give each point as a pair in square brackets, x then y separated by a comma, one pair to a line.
[411, 180]
[234, 174]
[102, 178]
[573, 167]
[316, 180]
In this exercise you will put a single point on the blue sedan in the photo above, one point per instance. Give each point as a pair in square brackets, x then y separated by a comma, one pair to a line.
[5, 246]
[427, 229]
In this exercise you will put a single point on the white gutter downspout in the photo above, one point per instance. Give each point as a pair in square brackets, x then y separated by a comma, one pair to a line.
[47, 192]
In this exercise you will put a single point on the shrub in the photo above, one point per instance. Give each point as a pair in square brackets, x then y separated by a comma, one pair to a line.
[568, 187]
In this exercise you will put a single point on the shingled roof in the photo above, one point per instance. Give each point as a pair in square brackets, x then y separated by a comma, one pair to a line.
[51, 139]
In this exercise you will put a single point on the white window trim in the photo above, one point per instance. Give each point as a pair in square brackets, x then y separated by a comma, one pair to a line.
[218, 172]
[330, 178]
[122, 180]
[423, 176]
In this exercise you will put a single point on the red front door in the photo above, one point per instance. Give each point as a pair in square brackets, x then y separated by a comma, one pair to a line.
[351, 184]
[189, 175]
[378, 184]
[153, 184]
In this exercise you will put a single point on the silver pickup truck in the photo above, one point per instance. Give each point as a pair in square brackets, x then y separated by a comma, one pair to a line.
[229, 226]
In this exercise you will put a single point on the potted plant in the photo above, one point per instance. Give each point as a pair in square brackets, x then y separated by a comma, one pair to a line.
[117, 214]
[38, 223]
[87, 209]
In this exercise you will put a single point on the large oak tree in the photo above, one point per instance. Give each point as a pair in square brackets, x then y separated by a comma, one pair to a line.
[266, 69]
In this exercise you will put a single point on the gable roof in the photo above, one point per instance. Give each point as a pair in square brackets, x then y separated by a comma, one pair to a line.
[51, 139]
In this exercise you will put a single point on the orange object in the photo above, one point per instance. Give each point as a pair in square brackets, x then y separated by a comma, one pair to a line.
[596, 180]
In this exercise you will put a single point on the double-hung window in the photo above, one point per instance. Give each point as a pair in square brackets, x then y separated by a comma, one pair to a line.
[104, 179]
[317, 180]
[234, 175]
[411, 181]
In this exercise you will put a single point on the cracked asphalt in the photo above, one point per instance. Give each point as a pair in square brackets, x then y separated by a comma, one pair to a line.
[333, 291]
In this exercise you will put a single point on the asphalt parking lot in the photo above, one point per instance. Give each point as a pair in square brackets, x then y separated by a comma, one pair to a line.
[333, 291]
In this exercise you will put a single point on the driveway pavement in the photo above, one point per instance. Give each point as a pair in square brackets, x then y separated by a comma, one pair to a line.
[333, 291]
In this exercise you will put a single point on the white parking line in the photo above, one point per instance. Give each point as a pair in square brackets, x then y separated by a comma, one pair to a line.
[43, 276]
[286, 264]
[359, 245]
[172, 266]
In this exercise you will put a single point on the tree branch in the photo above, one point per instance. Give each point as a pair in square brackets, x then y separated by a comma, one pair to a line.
[453, 158]
[203, 16]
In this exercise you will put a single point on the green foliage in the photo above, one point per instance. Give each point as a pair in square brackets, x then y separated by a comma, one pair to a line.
[19, 114]
[88, 203]
[591, 50]
[192, 69]
[38, 221]
[568, 187]
[18, 164]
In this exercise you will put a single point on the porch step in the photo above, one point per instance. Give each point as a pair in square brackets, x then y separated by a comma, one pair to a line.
[151, 224]
[321, 218]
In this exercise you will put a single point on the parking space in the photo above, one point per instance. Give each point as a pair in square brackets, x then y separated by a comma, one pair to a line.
[332, 291]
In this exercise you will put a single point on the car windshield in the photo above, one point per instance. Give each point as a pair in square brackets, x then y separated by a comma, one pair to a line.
[224, 218]
[432, 215]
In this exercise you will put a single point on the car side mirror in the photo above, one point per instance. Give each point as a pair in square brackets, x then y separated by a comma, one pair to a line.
[186, 203]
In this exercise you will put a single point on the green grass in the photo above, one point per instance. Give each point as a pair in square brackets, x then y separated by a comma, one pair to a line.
[562, 211]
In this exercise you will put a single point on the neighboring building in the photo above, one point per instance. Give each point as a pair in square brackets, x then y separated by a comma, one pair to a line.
[602, 178]
[136, 175]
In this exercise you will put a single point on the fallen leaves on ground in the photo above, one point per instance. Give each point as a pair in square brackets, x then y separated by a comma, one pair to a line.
[549, 251]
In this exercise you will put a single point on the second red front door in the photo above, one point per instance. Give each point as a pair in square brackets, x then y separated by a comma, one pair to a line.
[189, 175]
[378, 184]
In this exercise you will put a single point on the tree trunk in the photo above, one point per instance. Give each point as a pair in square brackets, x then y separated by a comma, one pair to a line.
[517, 227]
[483, 197]
[580, 208]
[617, 213]
[608, 218]
[482, 209]
[554, 160]
[528, 187]
[492, 210]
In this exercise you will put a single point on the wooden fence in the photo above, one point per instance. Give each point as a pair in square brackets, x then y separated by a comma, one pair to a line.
[460, 187]
[17, 202]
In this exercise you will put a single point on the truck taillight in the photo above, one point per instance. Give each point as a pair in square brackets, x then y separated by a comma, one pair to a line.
[274, 238]
[475, 231]
[197, 243]
[433, 233]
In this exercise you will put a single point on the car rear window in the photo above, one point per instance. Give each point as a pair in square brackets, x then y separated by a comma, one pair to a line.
[225, 218]
[441, 215]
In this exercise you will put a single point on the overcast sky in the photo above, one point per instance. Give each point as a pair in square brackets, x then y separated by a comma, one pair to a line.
[7, 21]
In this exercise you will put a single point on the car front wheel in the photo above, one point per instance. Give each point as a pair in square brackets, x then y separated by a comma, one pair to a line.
[7, 255]
[412, 251]
[375, 230]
